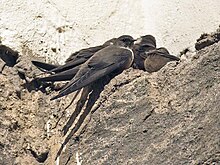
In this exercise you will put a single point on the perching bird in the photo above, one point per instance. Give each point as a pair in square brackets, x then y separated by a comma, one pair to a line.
[75, 59]
[67, 71]
[143, 44]
[156, 59]
[109, 60]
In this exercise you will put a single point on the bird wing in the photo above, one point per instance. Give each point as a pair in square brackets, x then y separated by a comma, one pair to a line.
[84, 53]
[159, 53]
[77, 58]
[171, 57]
[102, 63]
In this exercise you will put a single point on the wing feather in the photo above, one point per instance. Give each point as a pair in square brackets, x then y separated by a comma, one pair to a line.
[102, 63]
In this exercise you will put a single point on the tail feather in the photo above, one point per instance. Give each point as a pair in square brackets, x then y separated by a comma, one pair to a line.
[44, 66]
[69, 65]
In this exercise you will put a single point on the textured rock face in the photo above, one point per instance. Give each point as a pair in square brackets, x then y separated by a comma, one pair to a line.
[168, 117]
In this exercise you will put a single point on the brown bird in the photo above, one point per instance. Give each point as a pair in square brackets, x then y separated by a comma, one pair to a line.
[75, 59]
[143, 44]
[67, 71]
[109, 60]
[156, 59]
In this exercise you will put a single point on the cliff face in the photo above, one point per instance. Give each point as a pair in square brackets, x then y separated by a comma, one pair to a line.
[167, 117]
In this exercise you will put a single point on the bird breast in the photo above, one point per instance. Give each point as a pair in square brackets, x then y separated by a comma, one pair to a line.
[131, 59]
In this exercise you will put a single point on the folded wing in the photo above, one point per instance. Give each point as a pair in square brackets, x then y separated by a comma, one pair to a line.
[104, 62]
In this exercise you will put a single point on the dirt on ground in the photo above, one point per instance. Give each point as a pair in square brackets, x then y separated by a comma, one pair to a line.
[167, 117]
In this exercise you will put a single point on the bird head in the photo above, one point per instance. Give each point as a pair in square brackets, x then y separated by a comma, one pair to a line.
[126, 41]
[147, 40]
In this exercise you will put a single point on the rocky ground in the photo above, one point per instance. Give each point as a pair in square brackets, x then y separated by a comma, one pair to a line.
[168, 117]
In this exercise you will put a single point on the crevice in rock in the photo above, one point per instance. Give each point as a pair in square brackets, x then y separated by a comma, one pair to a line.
[184, 51]
[1, 146]
[41, 158]
[148, 115]
[212, 159]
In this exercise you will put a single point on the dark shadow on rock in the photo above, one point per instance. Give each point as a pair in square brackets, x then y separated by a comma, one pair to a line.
[41, 158]
[34, 85]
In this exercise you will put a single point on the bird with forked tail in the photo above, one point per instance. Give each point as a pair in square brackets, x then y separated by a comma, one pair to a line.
[69, 69]
[109, 60]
